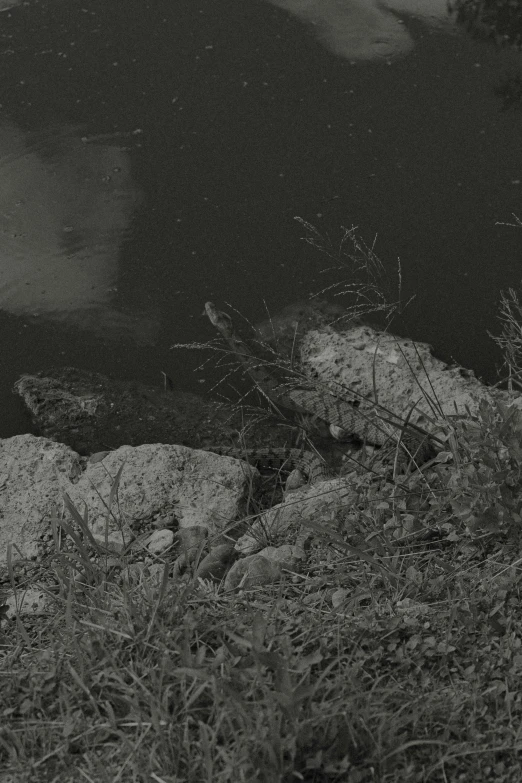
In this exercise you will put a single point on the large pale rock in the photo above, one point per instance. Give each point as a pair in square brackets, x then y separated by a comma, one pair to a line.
[32, 472]
[199, 487]
[287, 556]
[404, 373]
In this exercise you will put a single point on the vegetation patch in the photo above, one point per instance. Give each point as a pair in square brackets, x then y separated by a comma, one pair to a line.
[392, 653]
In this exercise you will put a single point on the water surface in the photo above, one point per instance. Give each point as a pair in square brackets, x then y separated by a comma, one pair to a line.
[153, 157]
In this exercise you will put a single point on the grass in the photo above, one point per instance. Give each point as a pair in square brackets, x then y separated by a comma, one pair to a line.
[402, 666]
[394, 654]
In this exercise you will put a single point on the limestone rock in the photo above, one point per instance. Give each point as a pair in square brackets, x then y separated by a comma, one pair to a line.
[362, 359]
[201, 487]
[160, 541]
[36, 474]
[32, 473]
[263, 568]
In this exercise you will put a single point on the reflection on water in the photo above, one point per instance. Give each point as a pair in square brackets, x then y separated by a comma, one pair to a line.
[365, 29]
[65, 208]
[246, 123]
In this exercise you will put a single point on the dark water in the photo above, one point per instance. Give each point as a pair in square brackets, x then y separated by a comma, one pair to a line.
[153, 156]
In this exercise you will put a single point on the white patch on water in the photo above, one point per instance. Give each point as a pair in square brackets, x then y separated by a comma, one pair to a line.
[5, 5]
[365, 29]
[65, 208]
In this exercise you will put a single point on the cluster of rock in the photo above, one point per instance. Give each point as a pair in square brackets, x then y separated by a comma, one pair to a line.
[163, 498]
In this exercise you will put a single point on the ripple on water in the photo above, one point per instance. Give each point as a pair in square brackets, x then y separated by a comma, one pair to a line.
[66, 205]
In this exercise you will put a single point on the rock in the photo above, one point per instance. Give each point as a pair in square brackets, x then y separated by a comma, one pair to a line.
[33, 472]
[160, 541]
[295, 480]
[92, 413]
[252, 571]
[204, 489]
[402, 371]
[263, 568]
[287, 555]
[28, 601]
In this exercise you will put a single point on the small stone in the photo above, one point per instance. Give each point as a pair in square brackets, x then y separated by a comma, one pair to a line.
[160, 541]
[116, 540]
[31, 601]
[252, 571]
[287, 555]
[338, 433]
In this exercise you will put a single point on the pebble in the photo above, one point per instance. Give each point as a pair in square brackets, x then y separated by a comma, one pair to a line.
[160, 541]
